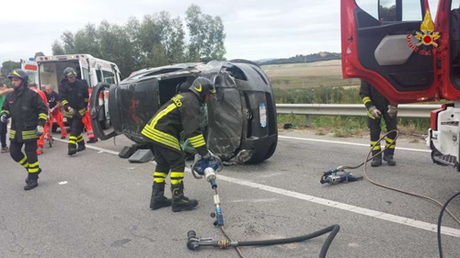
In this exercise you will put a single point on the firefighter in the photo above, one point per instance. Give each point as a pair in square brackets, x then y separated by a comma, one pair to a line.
[379, 107]
[74, 99]
[29, 115]
[181, 113]
[87, 122]
[41, 139]
[54, 102]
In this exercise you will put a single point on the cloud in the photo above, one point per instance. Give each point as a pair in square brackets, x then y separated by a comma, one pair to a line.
[255, 29]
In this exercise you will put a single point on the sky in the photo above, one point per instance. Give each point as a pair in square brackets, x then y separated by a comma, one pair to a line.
[255, 29]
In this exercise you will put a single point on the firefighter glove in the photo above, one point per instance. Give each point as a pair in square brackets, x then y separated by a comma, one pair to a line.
[4, 118]
[392, 110]
[39, 130]
[72, 111]
[375, 112]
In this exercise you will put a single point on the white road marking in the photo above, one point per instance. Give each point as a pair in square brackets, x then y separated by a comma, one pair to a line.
[92, 147]
[448, 231]
[351, 208]
[345, 143]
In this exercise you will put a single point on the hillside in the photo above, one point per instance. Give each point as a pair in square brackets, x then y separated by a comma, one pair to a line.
[321, 56]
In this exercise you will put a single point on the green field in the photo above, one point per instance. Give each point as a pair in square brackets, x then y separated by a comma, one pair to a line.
[322, 83]
[308, 75]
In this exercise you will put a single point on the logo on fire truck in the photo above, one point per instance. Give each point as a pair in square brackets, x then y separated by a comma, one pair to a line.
[426, 38]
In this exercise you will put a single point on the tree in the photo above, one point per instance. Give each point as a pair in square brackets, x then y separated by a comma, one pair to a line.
[57, 48]
[157, 40]
[206, 35]
[69, 44]
[9, 66]
[87, 40]
[38, 54]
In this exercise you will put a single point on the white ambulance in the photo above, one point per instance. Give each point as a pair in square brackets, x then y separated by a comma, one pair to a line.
[88, 68]
[30, 67]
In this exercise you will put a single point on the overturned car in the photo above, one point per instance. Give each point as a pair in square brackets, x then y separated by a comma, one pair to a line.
[240, 122]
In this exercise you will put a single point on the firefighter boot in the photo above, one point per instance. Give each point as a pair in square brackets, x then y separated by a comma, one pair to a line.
[72, 149]
[180, 202]
[81, 146]
[28, 174]
[389, 159]
[158, 199]
[31, 181]
[377, 160]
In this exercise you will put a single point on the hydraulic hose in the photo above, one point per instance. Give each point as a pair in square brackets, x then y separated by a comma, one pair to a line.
[444, 207]
[334, 229]
[194, 242]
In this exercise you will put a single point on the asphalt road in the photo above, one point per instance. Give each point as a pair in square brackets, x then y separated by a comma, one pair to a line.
[97, 205]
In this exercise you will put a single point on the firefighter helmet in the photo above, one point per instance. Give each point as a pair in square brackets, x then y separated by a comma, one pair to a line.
[20, 74]
[69, 71]
[202, 86]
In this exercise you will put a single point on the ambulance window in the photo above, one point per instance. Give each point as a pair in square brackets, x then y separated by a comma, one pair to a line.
[86, 75]
[99, 76]
[108, 77]
[31, 77]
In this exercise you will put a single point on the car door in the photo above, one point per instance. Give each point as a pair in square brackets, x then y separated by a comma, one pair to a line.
[383, 42]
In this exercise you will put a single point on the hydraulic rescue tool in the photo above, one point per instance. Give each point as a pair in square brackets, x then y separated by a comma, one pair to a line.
[338, 175]
[207, 169]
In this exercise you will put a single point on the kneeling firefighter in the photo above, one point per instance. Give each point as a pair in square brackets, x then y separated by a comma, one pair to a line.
[74, 98]
[29, 114]
[181, 113]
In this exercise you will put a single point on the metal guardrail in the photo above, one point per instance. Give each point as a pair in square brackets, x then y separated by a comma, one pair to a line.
[404, 110]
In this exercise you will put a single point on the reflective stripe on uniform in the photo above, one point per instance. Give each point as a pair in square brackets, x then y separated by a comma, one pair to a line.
[43, 116]
[80, 138]
[72, 140]
[176, 177]
[197, 141]
[29, 135]
[159, 177]
[376, 147]
[366, 99]
[23, 162]
[67, 114]
[33, 167]
[390, 143]
[82, 112]
[12, 134]
[158, 136]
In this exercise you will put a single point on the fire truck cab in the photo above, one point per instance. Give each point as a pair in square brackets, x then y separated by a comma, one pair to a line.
[396, 46]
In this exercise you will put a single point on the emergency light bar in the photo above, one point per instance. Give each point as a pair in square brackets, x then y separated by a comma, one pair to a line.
[59, 58]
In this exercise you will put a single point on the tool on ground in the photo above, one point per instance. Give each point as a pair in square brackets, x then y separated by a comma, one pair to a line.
[207, 169]
[338, 175]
